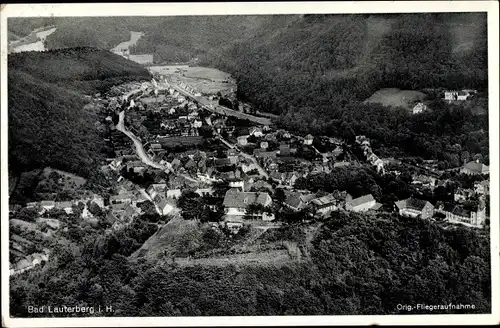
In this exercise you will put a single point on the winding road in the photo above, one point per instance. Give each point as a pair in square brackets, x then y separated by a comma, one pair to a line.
[138, 145]
[247, 156]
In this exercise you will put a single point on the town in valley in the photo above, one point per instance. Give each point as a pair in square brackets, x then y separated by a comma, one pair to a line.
[194, 176]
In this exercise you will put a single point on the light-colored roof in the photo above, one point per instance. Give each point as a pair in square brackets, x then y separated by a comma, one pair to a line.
[476, 167]
[361, 200]
[243, 199]
[64, 204]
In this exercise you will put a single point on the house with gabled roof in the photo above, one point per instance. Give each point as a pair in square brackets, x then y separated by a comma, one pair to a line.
[247, 166]
[176, 163]
[163, 205]
[261, 154]
[47, 205]
[278, 177]
[256, 131]
[236, 204]
[156, 189]
[424, 180]
[122, 197]
[308, 140]
[361, 204]
[459, 214]
[66, 206]
[297, 201]
[414, 207]
[190, 164]
[29, 262]
[291, 178]
[325, 204]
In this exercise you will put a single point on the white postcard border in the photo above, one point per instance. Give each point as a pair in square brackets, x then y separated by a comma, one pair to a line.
[159, 9]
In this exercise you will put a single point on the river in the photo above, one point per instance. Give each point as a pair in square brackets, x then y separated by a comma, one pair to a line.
[134, 37]
[36, 46]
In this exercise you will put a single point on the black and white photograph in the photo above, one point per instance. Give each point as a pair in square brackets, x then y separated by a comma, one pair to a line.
[273, 163]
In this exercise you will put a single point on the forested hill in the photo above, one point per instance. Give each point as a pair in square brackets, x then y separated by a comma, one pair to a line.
[48, 125]
[316, 70]
[360, 264]
[282, 61]
[329, 60]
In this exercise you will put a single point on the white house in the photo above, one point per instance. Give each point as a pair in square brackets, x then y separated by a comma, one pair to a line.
[204, 191]
[164, 206]
[457, 95]
[207, 178]
[308, 140]
[237, 184]
[419, 108]
[256, 131]
[325, 204]
[65, 206]
[86, 213]
[173, 193]
[247, 167]
[482, 187]
[457, 214]
[47, 205]
[156, 189]
[116, 164]
[242, 140]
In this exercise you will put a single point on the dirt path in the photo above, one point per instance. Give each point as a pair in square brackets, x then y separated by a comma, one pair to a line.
[265, 258]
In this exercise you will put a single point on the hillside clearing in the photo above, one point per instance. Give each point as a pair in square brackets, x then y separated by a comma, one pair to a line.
[204, 79]
[69, 180]
[394, 97]
[177, 236]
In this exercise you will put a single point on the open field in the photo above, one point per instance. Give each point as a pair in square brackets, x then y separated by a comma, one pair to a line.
[204, 79]
[177, 236]
[212, 74]
[68, 180]
[396, 98]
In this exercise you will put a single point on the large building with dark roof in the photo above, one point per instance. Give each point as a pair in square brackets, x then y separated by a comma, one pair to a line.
[414, 207]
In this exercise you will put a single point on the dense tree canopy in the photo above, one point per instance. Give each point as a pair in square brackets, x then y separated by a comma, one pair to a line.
[360, 264]
[49, 124]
